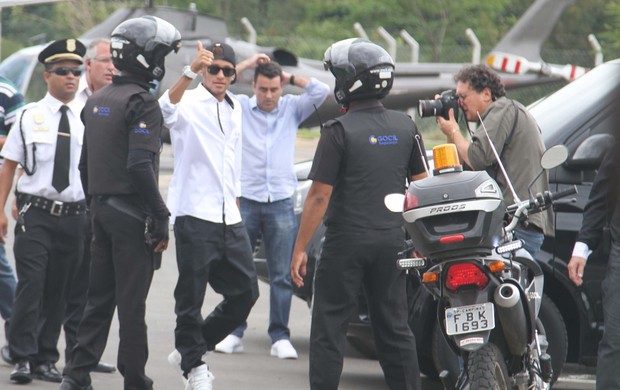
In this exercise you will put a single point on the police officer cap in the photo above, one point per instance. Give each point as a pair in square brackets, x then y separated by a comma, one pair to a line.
[63, 50]
[222, 51]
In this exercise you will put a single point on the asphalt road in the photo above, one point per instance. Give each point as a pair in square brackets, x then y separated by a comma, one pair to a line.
[253, 369]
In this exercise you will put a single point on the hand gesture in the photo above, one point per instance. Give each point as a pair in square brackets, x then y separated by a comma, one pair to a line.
[203, 59]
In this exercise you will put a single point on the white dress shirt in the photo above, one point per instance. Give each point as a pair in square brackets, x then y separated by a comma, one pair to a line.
[40, 127]
[83, 91]
[206, 143]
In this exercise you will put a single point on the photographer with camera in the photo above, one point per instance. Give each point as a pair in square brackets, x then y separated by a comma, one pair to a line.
[513, 131]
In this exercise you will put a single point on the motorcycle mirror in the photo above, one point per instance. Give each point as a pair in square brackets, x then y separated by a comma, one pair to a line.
[394, 202]
[554, 156]
[551, 158]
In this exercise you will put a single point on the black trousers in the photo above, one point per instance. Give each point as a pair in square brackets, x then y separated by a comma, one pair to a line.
[76, 296]
[46, 256]
[220, 255]
[120, 277]
[352, 259]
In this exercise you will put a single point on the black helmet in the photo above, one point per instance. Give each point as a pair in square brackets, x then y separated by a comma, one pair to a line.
[362, 69]
[140, 45]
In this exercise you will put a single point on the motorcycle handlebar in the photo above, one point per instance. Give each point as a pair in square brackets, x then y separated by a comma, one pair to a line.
[562, 194]
[542, 201]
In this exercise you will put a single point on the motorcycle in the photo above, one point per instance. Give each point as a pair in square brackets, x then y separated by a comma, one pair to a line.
[489, 289]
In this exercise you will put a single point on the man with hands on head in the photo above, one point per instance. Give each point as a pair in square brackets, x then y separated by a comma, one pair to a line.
[268, 183]
[211, 241]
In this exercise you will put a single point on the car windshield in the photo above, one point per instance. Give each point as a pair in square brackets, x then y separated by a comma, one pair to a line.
[561, 109]
[15, 68]
[23, 69]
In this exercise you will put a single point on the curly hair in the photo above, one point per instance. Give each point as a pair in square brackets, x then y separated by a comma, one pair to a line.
[481, 77]
[269, 70]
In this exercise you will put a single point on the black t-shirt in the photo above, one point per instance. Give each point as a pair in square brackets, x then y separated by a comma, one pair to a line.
[365, 155]
[121, 117]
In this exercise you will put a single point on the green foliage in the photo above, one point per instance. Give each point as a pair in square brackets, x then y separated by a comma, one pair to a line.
[308, 27]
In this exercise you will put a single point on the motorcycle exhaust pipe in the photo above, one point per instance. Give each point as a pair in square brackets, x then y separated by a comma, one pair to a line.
[512, 317]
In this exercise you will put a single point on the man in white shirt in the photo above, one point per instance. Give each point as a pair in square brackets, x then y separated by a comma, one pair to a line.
[49, 240]
[99, 69]
[212, 244]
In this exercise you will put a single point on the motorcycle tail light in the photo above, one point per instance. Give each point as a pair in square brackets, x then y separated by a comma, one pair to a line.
[430, 277]
[465, 274]
[452, 239]
[411, 202]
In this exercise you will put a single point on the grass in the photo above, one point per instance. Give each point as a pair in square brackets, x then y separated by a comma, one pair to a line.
[308, 133]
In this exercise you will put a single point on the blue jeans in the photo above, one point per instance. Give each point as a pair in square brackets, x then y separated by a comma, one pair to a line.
[276, 223]
[532, 241]
[8, 283]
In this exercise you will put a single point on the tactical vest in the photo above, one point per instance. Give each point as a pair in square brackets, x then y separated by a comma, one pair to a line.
[379, 144]
[106, 138]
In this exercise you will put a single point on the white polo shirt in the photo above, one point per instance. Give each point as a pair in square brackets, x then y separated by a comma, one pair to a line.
[40, 127]
[206, 143]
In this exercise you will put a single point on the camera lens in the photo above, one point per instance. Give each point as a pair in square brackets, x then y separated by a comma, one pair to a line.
[428, 108]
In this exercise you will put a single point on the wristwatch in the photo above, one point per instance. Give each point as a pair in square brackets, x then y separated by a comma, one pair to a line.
[187, 72]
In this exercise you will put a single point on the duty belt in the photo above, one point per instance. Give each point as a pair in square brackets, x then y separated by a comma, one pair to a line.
[55, 207]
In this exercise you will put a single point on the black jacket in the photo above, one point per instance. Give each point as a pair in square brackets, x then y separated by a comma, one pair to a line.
[602, 203]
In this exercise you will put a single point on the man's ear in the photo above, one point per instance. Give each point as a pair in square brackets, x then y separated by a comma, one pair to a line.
[488, 95]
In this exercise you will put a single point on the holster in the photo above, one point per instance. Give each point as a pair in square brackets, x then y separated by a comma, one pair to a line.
[127, 208]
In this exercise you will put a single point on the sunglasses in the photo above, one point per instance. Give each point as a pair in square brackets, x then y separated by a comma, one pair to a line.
[214, 70]
[63, 71]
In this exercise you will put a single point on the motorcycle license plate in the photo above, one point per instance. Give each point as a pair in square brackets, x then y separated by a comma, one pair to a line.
[468, 319]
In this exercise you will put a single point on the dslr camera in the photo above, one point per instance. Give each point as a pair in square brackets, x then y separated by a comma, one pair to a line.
[440, 106]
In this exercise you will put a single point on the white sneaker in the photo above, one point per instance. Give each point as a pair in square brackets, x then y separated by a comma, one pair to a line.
[231, 344]
[283, 349]
[200, 378]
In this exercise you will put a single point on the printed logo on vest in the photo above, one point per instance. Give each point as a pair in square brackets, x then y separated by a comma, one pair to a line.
[102, 111]
[142, 128]
[383, 139]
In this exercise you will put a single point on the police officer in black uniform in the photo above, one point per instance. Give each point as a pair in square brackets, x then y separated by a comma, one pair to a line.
[362, 156]
[48, 246]
[119, 166]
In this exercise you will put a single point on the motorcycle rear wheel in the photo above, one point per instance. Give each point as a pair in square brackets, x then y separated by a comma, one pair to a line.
[487, 369]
